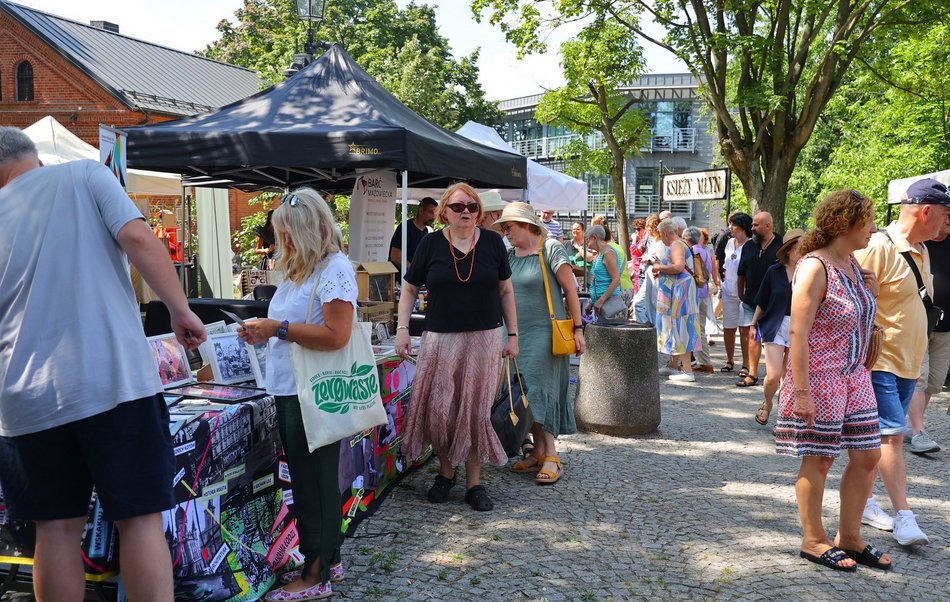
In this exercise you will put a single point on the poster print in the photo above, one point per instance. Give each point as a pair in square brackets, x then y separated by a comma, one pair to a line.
[171, 360]
[229, 358]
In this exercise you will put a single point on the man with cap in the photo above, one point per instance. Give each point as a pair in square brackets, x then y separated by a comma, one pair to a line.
[899, 259]
[418, 228]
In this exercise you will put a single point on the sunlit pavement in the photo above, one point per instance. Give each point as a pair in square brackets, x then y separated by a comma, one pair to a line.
[703, 509]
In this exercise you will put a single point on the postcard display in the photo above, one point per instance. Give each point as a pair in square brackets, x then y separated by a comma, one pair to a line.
[233, 527]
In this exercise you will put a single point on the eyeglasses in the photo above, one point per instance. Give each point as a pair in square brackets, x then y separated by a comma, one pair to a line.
[293, 199]
[460, 207]
[505, 228]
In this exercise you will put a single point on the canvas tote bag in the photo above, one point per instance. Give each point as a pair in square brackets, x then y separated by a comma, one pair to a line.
[338, 390]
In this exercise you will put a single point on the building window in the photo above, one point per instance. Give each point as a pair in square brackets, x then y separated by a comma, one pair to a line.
[24, 81]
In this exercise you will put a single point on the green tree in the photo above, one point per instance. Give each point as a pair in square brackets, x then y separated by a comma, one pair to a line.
[402, 48]
[601, 59]
[768, 69]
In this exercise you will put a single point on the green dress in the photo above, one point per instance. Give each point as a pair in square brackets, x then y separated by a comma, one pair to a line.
[546, 375]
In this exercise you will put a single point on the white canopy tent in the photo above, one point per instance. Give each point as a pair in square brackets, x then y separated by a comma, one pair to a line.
[56, 144]
[896, 188]
[547, 188]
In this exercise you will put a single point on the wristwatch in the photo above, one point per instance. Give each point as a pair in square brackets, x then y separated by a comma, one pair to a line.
[282, 330]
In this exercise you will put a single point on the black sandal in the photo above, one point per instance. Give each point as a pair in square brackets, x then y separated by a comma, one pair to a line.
[870, 556]
[527, 446]
[477, 498]
[729, 367]
[748, 381]
[830, 559]
[439, 492]
[743, 372]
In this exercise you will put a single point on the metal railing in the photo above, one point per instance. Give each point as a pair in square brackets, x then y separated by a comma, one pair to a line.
[547, 147]
[679, 140]
[639, 205]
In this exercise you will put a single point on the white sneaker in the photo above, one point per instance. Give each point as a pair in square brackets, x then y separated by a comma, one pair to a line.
[906, 531]
[921, 443]
[682, 377]
[876, 517]
[667, 371]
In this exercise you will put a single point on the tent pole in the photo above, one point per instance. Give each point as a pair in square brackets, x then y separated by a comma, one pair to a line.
[405, 210]
[186, 236]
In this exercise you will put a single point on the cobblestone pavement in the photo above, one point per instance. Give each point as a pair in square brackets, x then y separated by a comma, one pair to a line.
[702, 510]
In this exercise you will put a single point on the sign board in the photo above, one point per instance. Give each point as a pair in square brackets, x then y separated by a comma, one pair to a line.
[709, 185]
[372, 215]
[112, 153]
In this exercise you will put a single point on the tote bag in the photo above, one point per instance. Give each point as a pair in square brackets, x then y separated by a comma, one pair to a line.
[338, 390]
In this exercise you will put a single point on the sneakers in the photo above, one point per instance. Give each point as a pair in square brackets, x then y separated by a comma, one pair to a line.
[667, 371]
[921, 443]
[906, 531]
[682, 377]
[876, 517]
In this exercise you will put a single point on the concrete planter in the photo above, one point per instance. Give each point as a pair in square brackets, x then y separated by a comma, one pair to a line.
[618, 390]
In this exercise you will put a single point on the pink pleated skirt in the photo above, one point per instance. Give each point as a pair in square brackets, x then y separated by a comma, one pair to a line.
[452, 393]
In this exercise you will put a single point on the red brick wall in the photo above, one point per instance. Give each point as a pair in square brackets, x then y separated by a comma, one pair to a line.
[59, 89]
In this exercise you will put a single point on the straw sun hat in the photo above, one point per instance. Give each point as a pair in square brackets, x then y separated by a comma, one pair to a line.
[519, 212]
[790, 238]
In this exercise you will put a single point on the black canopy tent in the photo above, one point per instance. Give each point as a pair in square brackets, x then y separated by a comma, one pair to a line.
[321, 128]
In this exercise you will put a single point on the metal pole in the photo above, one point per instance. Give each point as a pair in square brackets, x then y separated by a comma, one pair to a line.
[405, 210]
[728, 192]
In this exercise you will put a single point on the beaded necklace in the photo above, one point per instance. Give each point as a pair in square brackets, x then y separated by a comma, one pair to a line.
[456, 260]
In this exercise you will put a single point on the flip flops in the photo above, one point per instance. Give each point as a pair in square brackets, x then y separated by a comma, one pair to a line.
[870, 556]
[831, 557]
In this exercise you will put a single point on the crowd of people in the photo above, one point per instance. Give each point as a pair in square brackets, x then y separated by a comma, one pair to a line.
[849, 318]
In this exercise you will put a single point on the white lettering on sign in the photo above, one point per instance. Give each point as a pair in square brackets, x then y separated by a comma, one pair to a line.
[289, 497]
[283, 473]
[178, 477]
[184, 449]
[709, 185]
[219, 557]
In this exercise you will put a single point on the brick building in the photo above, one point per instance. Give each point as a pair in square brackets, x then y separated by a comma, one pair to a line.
[85, 75]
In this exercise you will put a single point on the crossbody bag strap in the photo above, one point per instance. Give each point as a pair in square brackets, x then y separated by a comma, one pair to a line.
[544, 276]
[921, 287]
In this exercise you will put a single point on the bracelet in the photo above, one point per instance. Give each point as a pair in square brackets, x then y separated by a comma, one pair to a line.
[578, 327]
[398, 328]
[282, 330]
[512, 334]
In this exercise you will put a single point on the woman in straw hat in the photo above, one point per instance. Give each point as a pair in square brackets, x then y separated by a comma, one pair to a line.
[465, 270]
[546, 375]
[772, 317]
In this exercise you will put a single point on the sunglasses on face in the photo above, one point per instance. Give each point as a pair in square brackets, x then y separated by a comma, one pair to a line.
[460, 207]
[293, 199]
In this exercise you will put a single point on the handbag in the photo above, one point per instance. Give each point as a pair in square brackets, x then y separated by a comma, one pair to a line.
[562, 331]
[613, 311]
[699, 273]
[511, 415]
[875, 341]
[338, 390]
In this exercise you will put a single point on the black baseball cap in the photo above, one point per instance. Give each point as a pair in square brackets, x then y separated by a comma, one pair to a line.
[926, 192]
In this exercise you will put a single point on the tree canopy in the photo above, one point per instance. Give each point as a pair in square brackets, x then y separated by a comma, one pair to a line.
[401, 47]
[769, 69]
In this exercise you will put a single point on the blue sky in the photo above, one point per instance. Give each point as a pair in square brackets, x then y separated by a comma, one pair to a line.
[190, 25]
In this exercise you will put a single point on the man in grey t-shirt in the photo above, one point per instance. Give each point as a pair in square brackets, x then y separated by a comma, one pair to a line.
[80, 396]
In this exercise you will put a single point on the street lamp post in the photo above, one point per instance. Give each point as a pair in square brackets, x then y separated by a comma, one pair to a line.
[311, 11]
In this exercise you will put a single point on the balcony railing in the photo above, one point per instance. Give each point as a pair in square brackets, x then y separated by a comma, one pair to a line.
[639, 205]
[679, 140]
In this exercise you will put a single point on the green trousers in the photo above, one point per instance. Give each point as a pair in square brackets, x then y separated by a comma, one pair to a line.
[318, 504]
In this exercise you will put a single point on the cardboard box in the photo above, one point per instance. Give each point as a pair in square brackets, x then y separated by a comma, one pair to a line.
[376, 281]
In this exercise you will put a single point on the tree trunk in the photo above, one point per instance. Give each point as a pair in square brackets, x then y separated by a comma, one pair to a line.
[620, 199]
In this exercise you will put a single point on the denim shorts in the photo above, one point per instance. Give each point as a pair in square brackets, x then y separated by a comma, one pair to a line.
[893, 395]
[125, 452]
[746, 313]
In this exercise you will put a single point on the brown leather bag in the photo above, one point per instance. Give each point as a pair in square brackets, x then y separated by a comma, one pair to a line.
[874, 346]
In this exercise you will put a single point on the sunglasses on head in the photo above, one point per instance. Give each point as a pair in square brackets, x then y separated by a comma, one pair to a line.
[857, 195]
[460, 207]
[291, 198]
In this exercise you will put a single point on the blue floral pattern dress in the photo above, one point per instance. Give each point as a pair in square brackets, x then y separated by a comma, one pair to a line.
[677, 307]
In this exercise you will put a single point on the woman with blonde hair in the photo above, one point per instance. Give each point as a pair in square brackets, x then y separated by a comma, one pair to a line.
[465, 270]
[309, 254]
[677, 307]
[546, 375]
[826, 402]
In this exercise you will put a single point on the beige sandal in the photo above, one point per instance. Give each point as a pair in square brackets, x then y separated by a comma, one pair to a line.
[547, 477]
[530, 463]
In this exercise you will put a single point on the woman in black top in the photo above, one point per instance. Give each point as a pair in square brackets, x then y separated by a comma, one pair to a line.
[465, 270]
[771, 320]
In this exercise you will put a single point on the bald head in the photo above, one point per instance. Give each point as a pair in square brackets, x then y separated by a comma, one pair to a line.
[762, 225]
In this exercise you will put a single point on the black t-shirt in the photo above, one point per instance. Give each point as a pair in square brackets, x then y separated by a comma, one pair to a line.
[413, 237]
[456, 306]
[754, 262]
[719, 242]
[940, 268]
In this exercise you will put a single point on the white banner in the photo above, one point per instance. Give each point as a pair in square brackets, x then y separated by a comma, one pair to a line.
[695, 186]
[372, 215]
[112, 153]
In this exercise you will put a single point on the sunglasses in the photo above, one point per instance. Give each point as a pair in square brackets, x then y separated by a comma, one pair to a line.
[291, 198]
[857, 195]
[460, 207]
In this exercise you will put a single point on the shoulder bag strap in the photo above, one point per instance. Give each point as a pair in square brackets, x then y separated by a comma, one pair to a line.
[544, 276]
[921, 287]
[313, 294]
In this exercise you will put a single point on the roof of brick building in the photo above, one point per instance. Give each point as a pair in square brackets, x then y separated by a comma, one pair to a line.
[139, 73]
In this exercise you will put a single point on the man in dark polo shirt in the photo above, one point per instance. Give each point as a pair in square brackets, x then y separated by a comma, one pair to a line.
[756, 258]
[418, 228]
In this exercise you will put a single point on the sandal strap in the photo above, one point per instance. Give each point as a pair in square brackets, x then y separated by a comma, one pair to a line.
[835, 555]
